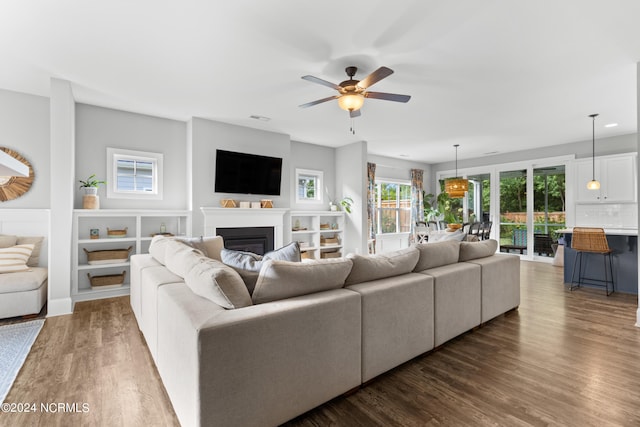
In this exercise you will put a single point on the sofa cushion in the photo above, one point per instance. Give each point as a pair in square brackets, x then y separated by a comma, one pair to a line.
[436, 254]
[286, 279]
[14, 258]
[374, 267]
[158, 247]
[7, 241]
[209, 246]
[22, 281]
[180, 258]
[213, 280]
[248, 264]
[36, 241]
[474, 250]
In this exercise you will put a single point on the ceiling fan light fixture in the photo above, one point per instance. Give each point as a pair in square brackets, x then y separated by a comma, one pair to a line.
[351, 101]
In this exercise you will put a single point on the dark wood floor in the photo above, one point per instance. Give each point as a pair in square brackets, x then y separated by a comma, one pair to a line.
[564, 358]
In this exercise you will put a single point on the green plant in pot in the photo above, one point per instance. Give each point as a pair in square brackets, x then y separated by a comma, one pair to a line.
[346, 203]
[452, 214]
[430, 206]
[90, 185]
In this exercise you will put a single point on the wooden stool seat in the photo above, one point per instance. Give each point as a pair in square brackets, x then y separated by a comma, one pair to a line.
[594, 241]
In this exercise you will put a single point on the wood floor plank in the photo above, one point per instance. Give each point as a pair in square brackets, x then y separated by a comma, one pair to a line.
[563, 358]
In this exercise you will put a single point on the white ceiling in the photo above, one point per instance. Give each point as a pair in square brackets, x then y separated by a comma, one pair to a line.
[501, 75]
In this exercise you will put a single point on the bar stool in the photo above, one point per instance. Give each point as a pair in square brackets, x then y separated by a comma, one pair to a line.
[592, 241]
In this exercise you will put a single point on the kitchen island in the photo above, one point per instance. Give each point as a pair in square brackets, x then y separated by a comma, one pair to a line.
[624, 243]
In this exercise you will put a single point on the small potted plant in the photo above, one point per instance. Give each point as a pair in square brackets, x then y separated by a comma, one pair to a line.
[90, 185]
[346, 203]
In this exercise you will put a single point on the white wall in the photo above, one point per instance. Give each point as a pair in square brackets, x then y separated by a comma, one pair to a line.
[387, 167]
[315, 157]
[62, 157]
[98, 128]
[24, 127]
[581, 149]
[351, 181]
[206, 137]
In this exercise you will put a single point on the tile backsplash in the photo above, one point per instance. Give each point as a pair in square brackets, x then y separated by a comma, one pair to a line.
[615, 215]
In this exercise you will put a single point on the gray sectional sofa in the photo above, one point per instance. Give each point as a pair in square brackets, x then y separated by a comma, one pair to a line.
[322, 328]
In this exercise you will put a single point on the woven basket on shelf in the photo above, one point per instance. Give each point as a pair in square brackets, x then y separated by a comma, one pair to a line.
[107, 256]
[107, 280]
[117, 233]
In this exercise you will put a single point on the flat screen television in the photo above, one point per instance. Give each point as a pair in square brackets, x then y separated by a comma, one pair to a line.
[243, 173]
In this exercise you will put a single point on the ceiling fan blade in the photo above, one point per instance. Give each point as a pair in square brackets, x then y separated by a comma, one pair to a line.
[387, 96]
[354, 113]
[322, 82]
[375, 77]
[319, 101]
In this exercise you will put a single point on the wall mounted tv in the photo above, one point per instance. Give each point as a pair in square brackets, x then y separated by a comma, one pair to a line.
[243, 173]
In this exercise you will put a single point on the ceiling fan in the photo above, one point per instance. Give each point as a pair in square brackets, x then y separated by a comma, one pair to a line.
[353, 92]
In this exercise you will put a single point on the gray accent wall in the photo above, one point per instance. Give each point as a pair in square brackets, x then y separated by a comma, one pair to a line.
[207, 136]
[25, 128]
[98, 128]
[315, 157]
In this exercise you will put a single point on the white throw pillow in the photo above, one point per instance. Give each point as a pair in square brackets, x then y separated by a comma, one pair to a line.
[15, 258]
[180, 258]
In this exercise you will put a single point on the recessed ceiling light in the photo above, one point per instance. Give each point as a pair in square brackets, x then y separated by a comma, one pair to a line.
[403, 155]
[262, 118]
[611, 125]
[491, 152]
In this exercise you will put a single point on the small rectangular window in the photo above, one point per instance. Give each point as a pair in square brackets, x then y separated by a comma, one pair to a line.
[308, 185]
[134, 174]
[393, 202]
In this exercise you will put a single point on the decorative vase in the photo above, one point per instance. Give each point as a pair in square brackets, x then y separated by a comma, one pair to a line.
[90, 191]
[454, 226]
[90, 201]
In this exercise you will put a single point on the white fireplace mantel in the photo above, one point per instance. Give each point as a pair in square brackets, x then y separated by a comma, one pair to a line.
[238, 217]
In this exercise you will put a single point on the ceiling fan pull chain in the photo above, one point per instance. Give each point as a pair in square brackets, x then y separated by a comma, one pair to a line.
[352, 128]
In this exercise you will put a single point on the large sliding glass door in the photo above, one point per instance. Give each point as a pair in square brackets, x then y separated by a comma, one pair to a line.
[513, 210]
[549, 202]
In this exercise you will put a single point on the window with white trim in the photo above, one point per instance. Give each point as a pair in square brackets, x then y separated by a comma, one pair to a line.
[309, 185]
[134, 174]
[393, 204]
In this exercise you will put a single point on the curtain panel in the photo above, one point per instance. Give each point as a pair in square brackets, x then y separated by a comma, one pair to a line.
[417, 208]
[371, 199]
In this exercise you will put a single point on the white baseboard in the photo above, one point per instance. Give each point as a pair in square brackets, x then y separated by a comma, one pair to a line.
[59, 307]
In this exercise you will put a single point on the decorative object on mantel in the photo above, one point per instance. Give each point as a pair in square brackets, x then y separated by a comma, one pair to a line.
[266, 203]
[228, 203]
[90, 200]
[255, 205]
[117, 233]
[245, 205]
[456, 187]
[12, 187]
[593, 184]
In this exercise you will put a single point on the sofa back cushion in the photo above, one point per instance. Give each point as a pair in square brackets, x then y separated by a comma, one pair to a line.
[180, 258]
[374, 267]
[213, 280]
[475, 250]
[209, 246]
[286, 279]
[437, 254]
[158, 247]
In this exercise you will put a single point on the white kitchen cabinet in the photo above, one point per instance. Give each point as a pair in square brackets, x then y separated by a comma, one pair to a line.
[617, 176]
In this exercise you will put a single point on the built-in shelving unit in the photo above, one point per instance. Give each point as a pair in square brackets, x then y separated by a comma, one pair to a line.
[319, 233]
[140, 226]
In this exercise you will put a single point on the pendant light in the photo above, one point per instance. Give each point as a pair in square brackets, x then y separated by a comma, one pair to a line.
[593, 184]
[456, 187]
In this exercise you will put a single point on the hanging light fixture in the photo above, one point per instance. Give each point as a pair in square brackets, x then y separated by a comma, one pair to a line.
[593, 184]
[456, 187]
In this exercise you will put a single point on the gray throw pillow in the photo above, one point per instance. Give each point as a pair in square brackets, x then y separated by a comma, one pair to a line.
[248, 264]
[284, 279]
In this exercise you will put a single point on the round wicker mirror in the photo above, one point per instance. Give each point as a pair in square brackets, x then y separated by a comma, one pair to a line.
[12, 187]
